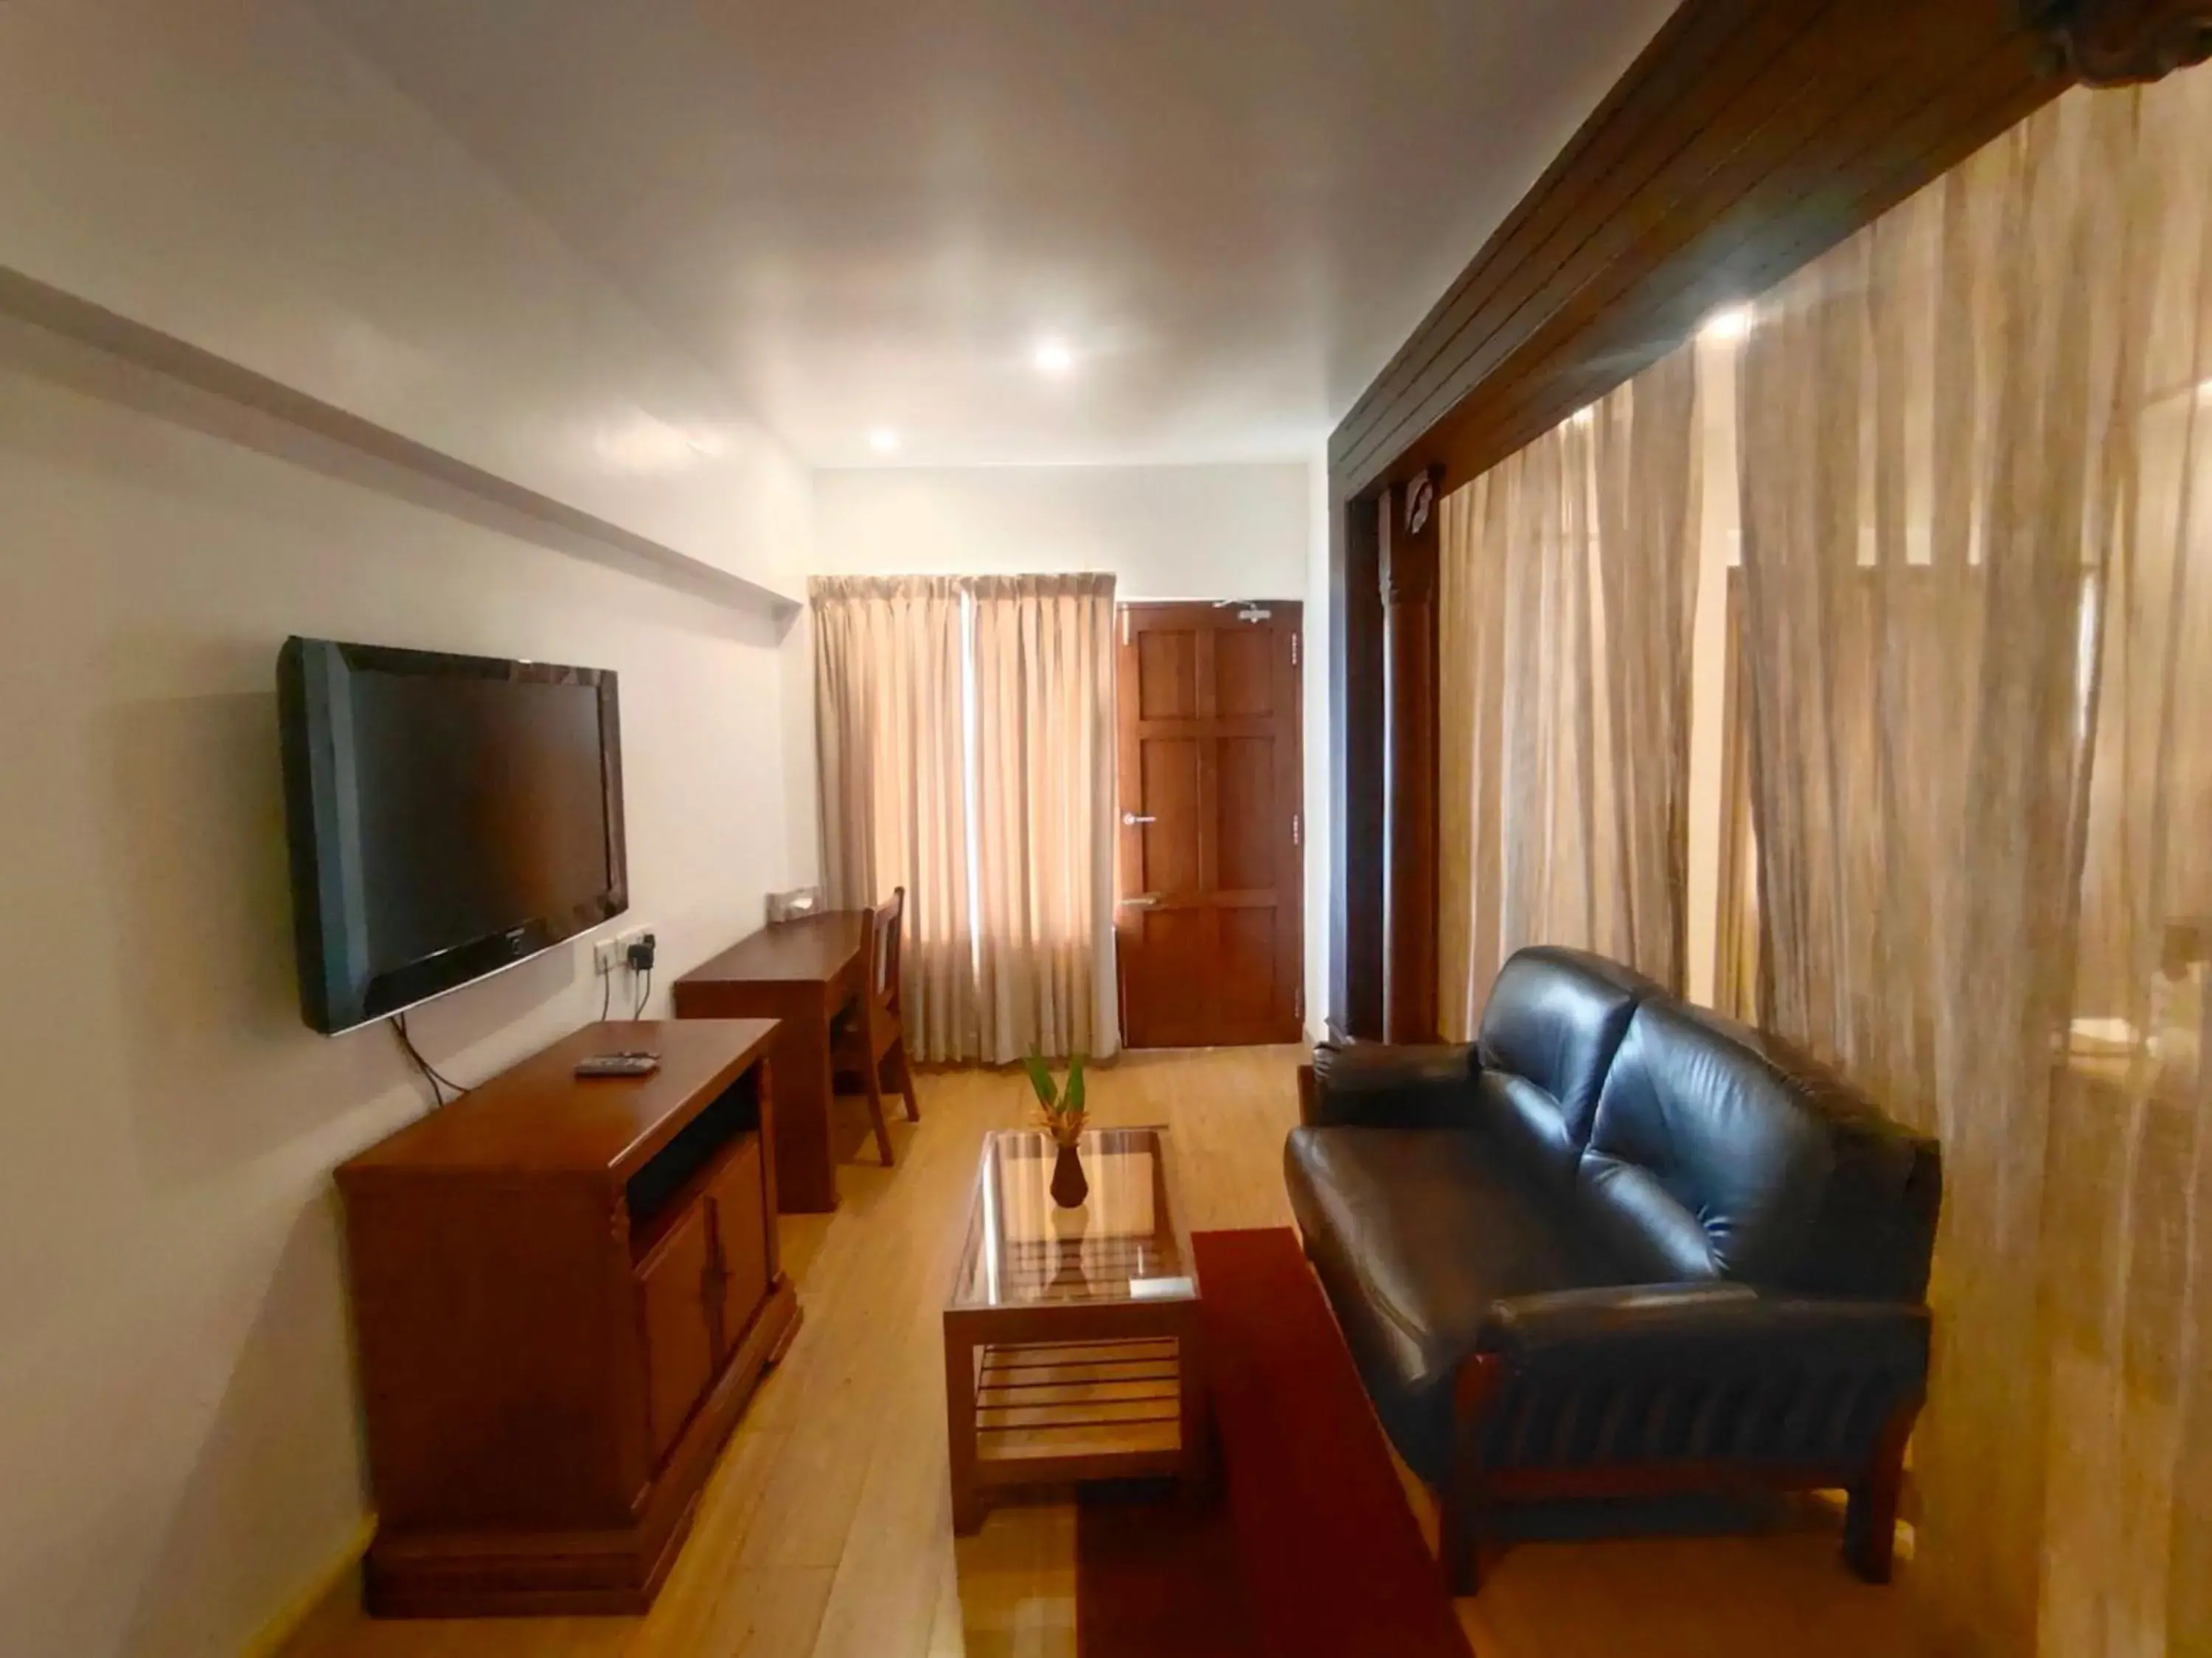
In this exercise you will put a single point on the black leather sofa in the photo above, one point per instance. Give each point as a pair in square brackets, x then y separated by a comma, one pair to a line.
[1619, 1247]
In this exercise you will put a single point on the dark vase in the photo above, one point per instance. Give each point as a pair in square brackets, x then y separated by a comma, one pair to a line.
[1070, 1185]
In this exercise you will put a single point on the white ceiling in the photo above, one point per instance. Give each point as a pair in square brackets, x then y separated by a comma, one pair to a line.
[864, 212]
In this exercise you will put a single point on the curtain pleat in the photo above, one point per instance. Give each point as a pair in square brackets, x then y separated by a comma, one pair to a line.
[1648, 471]
[1044, 733]
[1567, 592]
[892, 741]
[1975, 655]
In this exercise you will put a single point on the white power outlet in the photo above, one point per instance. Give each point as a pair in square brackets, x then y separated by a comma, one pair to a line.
[625, 939]
[606, 956]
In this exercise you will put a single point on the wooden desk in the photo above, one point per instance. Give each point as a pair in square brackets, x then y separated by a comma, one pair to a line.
[803, 973]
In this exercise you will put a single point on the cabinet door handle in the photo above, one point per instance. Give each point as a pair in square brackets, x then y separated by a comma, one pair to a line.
[1142, 901]
[1130, 819]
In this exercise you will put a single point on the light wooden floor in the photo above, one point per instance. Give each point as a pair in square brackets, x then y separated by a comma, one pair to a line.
[826, 1529]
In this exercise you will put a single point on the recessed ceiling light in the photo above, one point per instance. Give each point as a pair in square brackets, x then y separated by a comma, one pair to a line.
[1052, 357]
[2204, 393]
[1584, 416]
[883, 440]
[1731, 323]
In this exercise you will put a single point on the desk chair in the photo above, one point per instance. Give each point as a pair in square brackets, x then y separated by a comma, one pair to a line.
[870, 1035]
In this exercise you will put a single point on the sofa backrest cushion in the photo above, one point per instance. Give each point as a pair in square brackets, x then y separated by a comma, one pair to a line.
[1549, 1031]
[1873, 1232]
[1705, 1160]
[1527, 1122]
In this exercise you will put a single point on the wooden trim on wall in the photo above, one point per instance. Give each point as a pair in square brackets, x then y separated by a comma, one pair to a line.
[1411, 539]
[1356, 772]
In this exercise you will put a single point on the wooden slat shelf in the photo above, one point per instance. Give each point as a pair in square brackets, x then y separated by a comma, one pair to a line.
[1160, 1384]
[1105, 1450]
[1079, 1401]
[1078, 1413]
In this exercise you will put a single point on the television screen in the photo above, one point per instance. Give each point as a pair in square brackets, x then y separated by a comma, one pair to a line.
[448, 816]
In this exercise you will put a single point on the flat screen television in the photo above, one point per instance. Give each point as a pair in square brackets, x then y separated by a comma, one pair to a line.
[448, 817]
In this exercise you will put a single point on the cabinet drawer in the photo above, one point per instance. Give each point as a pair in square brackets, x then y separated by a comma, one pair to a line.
[741, 1222]
[673, 1285]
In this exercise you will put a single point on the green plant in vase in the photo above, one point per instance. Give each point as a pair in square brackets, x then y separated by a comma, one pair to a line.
[1060, 1114]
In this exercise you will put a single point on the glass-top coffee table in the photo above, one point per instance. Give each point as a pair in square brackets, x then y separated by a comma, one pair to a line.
[1071, 1338]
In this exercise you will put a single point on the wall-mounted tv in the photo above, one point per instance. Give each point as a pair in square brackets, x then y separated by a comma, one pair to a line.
[449, 817]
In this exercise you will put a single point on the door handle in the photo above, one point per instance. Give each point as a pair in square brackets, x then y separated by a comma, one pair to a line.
[1130, 819]
[1142, 901]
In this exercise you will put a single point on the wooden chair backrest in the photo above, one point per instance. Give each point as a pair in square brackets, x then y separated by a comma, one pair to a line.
[886, 926]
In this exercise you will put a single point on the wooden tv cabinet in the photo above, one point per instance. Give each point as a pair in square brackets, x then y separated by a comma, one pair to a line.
[564, 1290]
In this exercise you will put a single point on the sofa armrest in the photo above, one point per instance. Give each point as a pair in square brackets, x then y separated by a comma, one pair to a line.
[1642, 1390]
[1387, 1086]
[1696, 1372]
[1707, 1325]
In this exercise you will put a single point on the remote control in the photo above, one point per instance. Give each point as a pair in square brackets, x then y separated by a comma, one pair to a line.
[637, 1063]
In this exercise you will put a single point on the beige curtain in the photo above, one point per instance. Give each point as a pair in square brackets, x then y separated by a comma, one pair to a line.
[1044, 816]
[1976, 659]
[1568, 587]
[965, 728]
[1736, 965]
[892, 740]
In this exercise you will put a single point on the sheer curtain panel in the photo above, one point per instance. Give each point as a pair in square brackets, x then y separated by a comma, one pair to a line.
[1567, 589]
[1976, 647]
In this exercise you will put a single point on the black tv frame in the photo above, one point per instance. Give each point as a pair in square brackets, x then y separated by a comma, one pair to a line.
[337, 993]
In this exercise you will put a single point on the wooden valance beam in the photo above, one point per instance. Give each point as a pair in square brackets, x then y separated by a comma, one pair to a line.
[1749, 136]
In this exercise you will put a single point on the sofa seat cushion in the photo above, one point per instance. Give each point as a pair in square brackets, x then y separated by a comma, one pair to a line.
[1414, 1234]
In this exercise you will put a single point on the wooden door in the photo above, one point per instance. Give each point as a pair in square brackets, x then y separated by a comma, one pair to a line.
[1210, 919]
[741, 1224]
[674, 1284]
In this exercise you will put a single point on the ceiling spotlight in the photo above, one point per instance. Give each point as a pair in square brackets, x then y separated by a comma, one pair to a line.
[883, 440]
[1584, 416]
[2204, 393]
[1052, 357]
[1731, 323]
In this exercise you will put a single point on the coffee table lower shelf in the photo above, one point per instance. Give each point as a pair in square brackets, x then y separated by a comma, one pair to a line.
[1046, 1412]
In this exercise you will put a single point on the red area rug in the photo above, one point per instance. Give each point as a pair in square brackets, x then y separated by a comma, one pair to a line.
[1311, 1551]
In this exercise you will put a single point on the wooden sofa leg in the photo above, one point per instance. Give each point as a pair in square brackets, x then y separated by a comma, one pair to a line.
[1458, 1535]
[1870, 1521]
[1460, 1505]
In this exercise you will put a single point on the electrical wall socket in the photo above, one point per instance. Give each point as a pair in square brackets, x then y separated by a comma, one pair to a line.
[606, 956]
[625, 939]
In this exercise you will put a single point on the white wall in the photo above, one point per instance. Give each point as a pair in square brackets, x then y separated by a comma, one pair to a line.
[1211, 532]
[177, 1417]
[1230, 532]
[230, 174]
